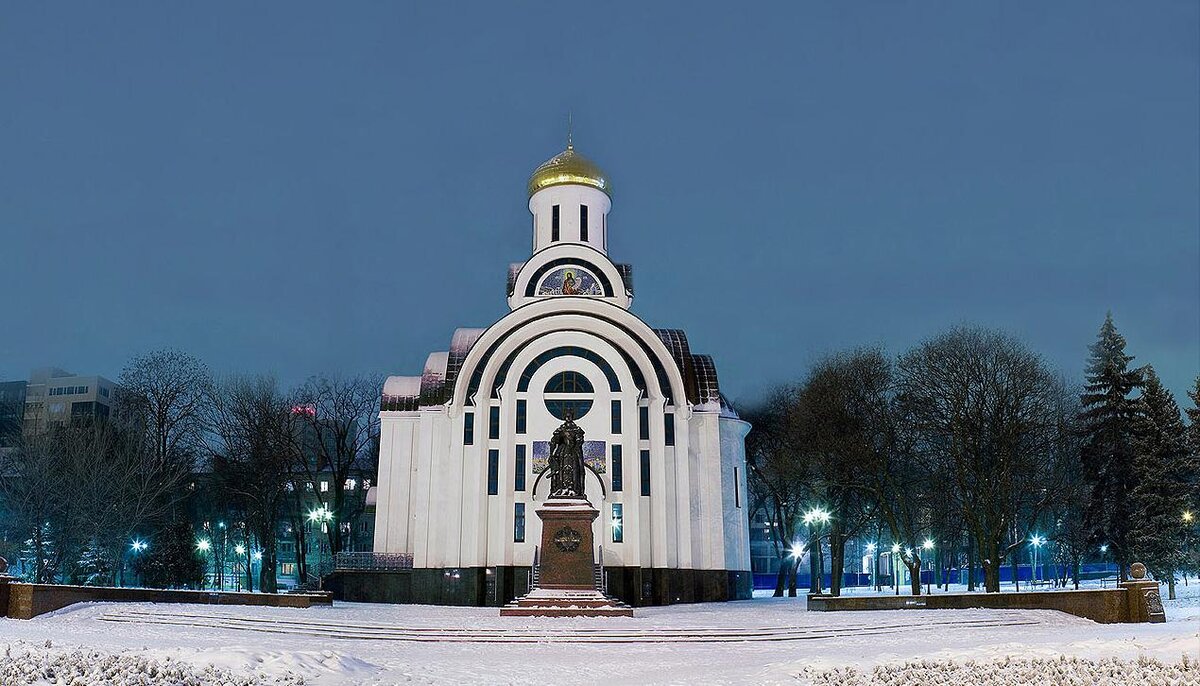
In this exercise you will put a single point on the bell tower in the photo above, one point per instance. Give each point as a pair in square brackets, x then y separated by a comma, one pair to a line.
[569, 198]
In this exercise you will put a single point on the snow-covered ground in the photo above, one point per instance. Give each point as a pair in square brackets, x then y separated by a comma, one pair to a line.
[759, 641]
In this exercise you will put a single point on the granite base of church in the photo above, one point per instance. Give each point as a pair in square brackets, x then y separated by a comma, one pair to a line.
[498, 586]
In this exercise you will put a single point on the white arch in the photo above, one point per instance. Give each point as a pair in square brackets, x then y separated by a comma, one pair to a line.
[584, 314]
[587, 256]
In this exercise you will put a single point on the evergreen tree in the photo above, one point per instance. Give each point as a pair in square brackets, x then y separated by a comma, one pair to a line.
[95, 565]
[172, 560]
[1109, 423]
[1161, 471]
[1191, 549]
[38, 557]
[1193, 414]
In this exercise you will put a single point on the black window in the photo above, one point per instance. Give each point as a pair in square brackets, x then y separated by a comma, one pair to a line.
[583, 235]
[554, 223]
[617, 468]
[644, 423]
[618, 522]
[669, 428]
[567, 391]
[737, 489]
[519, 479]
[469, 428]
[645, 472]
[616, 416]
[494, 421]
[493, 472]
[518, 522]
[521, 412]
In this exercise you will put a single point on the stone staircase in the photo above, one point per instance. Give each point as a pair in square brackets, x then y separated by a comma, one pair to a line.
[567, 602]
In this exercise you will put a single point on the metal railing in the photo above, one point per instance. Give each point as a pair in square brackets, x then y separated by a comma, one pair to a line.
[373, 561]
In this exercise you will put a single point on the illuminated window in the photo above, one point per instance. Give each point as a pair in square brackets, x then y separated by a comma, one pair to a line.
[618, 523]
[324, 486]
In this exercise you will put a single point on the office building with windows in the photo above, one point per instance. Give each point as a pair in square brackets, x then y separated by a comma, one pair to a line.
[54, 396]
[464, 446]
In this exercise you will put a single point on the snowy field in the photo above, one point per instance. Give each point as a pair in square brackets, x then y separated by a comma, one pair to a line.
[759, 641]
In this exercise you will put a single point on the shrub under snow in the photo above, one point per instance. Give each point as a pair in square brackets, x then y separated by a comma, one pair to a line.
[1060, 671]
[23, 663]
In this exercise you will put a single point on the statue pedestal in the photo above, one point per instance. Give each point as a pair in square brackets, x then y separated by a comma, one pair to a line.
[568, 551]
[567, 583]
[1143, 601]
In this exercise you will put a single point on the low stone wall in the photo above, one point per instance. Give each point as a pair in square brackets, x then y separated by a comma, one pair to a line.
[26, 601]
[1105, 606]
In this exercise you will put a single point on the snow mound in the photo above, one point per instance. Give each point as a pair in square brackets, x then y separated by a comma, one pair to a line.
[1061, 671]
[24, 663]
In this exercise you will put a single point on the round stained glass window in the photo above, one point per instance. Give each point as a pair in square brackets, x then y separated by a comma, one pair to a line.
[568, 391]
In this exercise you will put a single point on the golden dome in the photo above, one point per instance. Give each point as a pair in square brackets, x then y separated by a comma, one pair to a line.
[569, 167]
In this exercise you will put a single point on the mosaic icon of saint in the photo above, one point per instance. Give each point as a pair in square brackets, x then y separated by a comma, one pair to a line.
[570, 285]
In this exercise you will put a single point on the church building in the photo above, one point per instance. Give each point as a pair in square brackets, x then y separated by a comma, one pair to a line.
[464, 445]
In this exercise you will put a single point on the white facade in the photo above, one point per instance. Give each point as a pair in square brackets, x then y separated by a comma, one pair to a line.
[463, 444]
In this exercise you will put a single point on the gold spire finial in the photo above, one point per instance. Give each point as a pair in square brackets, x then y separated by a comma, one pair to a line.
[570, 131]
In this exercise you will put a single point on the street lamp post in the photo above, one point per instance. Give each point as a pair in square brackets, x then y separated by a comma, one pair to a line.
[1037, 542]
[204, 545]
[928, 546]
[874, 563]
[135, 546]
[895, 569]
[813, 517]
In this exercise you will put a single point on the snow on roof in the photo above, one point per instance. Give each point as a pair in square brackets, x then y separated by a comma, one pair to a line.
[402, 386]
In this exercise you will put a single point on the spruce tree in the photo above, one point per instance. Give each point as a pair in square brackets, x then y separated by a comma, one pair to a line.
[1161, 472]
[1109, 422]
[95, 566]
[1192, 541]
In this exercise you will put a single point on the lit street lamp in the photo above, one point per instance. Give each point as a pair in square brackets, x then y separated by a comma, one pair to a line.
[811, 518]
[895, 569]
[928, 545]
[1037, 542]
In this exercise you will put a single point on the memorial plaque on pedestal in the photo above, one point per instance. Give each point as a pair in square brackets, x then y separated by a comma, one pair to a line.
[567, 553]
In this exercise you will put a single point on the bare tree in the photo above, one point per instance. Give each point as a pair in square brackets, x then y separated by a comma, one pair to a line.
[995, 421]
[777, 480]
[838, 422]
[338, 421]
[164, 393]
[251, 459]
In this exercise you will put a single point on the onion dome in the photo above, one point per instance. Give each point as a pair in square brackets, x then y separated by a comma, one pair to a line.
[569, 167]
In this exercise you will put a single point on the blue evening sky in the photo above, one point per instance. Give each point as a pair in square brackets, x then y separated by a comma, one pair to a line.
[305, 187]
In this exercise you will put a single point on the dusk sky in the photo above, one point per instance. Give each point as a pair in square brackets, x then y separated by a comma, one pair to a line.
[298, 188]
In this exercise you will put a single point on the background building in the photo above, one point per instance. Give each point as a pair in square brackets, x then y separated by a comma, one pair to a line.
[57, 396]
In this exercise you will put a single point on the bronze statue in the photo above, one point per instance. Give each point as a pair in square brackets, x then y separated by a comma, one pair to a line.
[566, 460]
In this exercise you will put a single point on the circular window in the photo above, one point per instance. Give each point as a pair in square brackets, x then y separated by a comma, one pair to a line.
[568, 391]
